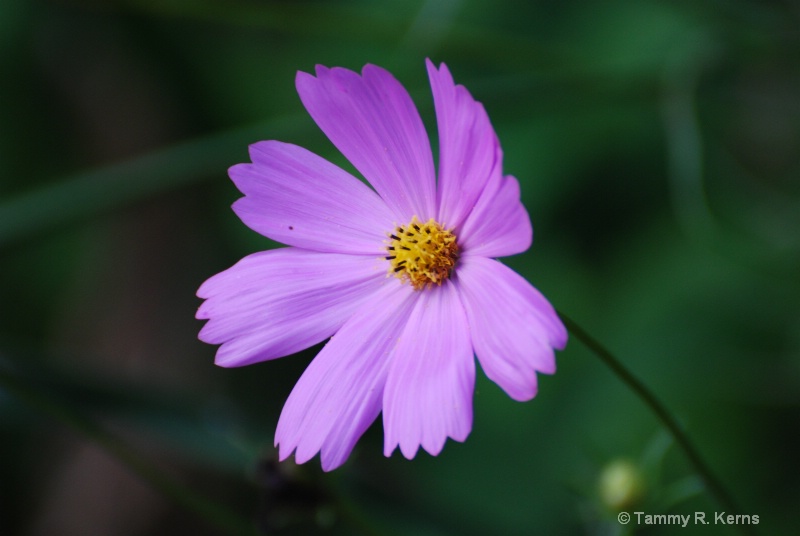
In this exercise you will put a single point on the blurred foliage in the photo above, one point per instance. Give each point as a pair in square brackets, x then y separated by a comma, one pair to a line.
[657, 148]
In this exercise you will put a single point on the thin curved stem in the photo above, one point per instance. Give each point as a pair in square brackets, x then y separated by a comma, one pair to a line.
[712, 483]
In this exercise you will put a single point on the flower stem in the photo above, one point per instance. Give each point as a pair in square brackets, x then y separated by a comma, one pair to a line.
[712, 483]
[216, 514]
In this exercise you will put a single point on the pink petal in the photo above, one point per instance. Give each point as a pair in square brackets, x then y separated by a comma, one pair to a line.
[275, 303]
[428, 394]
[499, 225]
[514, 328]
[373, 122]
[295, 197]
[339, 394]
[467, 146]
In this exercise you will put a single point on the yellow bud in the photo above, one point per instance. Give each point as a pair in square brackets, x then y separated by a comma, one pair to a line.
[621, 484]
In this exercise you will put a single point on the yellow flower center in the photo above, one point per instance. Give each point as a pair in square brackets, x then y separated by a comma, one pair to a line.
[422, 253]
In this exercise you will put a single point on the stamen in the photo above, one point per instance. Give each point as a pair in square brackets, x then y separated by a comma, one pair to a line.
[423, 263]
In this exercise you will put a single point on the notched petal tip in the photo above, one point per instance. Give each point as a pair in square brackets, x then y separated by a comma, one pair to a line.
[322, 70]
[467, 146]
[372, 120]
[286, 184]
[278, 302]
[339, 395]
[441, 66]
[408, 450]
[303, 79]
[514, 327]
[431, 380]
[261, 145]
[499, 225]
[371, 69]
[235, 169]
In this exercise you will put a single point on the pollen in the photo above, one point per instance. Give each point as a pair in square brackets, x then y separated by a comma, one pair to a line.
[424, 254]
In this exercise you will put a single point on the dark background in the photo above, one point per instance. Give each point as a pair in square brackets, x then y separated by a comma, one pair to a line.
[657, 148]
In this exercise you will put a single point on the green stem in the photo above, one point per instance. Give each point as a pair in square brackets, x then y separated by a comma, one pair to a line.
[217, 514]
[712, 483]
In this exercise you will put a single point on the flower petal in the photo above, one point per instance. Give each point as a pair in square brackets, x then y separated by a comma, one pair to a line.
[467, 146]
[428, 394]
[275, 303]
[499, 225]
[295, 197]
[339, 394]
[373, 122]
[514, 328]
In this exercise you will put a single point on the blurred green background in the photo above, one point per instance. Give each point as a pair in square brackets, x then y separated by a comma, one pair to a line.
[657, 145]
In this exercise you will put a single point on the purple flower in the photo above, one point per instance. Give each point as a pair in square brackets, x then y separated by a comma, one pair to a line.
[401, 278]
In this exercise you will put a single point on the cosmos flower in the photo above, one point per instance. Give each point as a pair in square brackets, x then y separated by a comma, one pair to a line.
[401, 277]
